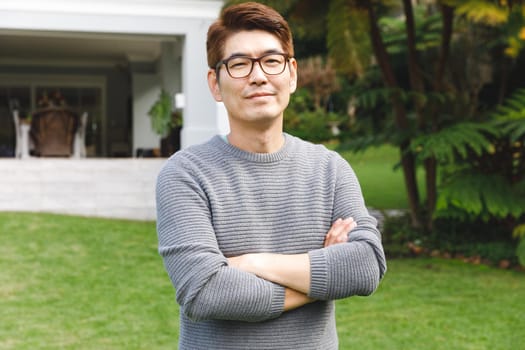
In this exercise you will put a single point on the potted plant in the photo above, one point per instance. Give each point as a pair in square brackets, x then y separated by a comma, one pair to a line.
[166, 123]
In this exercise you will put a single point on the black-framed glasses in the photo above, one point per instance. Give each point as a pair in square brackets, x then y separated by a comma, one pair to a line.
[242, 66]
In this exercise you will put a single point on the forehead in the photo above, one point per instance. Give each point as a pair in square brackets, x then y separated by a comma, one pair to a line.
[251, 43]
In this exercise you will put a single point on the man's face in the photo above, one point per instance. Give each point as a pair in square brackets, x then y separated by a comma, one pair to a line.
[258, 98]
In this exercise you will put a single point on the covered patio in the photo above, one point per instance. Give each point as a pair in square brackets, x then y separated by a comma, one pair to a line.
[109, 59]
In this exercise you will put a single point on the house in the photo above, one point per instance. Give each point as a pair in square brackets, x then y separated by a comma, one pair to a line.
[111, 59]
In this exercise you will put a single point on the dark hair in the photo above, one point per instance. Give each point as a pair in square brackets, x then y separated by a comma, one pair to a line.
[246, 16]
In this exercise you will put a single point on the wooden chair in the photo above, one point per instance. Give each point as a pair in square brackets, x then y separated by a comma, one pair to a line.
[53, 132]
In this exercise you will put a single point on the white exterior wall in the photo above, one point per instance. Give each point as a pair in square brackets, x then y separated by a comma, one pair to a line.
[145, 92]
[190, 19]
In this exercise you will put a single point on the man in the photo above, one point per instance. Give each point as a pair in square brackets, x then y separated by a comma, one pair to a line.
[254, 227]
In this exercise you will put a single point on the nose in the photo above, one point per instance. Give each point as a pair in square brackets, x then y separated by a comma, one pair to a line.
[257, 75]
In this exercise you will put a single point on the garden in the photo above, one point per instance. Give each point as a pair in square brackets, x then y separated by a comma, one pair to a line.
[427, 103]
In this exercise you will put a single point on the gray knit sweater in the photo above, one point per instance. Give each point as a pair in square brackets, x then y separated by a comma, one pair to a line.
[216, 201]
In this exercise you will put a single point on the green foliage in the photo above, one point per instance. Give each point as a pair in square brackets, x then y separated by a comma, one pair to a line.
[481, 11]
[484, 177]
[304, 121]
[472, 194]
[347, 38]
[510, 116]
[428, 31]
[520, 252]
[519, 232]
[458, 140]
[371, 98]
[161, 115]
[313, 126]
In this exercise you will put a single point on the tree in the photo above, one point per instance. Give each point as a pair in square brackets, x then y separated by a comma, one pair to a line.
[435, 61]
[421, 105]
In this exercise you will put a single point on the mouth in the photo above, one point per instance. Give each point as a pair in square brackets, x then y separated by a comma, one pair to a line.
[256, 95]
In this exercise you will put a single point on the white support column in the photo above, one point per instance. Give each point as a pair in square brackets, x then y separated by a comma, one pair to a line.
[203, 117]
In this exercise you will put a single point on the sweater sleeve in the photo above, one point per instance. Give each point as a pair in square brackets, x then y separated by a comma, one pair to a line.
[206, 287]
[354, 267]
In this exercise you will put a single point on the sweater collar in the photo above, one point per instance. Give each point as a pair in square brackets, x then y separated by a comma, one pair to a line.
[282, 153]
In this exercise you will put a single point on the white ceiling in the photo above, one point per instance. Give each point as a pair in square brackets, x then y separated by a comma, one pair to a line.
[26, 47]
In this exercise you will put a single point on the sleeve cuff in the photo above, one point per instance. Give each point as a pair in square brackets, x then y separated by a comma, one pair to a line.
[318, 274]
[277, 306]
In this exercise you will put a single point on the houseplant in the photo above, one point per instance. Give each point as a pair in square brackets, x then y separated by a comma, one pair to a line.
[167, 123]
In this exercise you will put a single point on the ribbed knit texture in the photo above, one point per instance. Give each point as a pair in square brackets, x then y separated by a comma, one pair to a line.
[215, 201]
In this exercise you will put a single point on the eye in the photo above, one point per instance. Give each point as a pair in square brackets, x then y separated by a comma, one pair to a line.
[238, 63]
[273, 60]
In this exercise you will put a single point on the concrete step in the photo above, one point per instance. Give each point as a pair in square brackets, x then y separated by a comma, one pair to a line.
[113, 187]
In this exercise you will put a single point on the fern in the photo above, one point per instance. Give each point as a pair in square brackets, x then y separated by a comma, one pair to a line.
[428, 31]
[510, 117]
[480, 195]
[456, 140]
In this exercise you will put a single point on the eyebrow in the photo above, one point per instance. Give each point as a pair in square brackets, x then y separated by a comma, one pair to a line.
[241, 54]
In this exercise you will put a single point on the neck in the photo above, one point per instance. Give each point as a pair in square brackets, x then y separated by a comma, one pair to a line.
[257, 141]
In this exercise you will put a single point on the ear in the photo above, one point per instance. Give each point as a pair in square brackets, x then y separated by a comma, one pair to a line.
[293, 75]
[214, 86]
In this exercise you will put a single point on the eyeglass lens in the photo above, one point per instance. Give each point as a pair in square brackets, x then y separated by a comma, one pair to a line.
[240, 67]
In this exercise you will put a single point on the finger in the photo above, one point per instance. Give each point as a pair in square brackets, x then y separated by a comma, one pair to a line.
[337, 233]
[335, 228]
[340, 231]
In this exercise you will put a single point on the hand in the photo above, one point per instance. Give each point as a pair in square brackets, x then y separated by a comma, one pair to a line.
[339, 231]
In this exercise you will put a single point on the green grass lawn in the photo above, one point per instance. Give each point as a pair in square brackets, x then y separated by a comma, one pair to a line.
[383, 186]
[78, 283]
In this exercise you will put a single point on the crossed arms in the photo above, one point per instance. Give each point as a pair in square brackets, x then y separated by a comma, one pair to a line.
[291, 270]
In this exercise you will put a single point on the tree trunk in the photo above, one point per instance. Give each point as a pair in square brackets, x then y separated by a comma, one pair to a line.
[447, 15]
[400, 117]
[414, 72]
